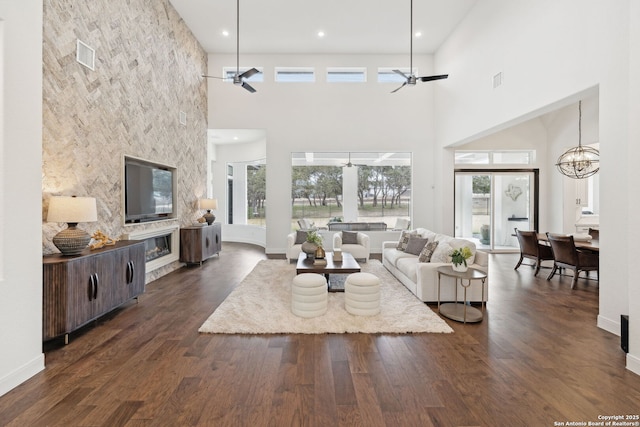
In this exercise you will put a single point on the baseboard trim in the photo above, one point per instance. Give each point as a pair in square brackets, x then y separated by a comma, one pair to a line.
[609, 325]
[633, 364]
[22, 374]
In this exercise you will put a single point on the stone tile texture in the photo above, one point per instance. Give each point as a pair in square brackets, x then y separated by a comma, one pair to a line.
[148, 69]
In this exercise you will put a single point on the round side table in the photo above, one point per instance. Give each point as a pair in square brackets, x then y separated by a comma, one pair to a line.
[461, 312]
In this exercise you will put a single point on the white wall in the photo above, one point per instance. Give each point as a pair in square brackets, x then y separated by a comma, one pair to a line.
[549, 51]
[21, 146]
[329, 117]
[633, 358]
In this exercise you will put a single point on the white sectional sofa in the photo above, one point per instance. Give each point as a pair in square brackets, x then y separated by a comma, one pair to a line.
[421, 278]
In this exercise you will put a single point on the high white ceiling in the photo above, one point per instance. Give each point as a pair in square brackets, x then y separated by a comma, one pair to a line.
[350, 26]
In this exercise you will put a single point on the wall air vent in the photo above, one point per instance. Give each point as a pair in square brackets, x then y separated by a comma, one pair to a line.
[497, 80]
[85, 55]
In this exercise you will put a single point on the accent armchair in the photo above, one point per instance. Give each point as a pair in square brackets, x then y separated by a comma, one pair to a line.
[354, 242]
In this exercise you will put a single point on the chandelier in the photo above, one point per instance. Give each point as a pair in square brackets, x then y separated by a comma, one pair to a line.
[579, 162]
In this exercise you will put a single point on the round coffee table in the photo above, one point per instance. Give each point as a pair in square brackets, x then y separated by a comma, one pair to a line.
[461, 312]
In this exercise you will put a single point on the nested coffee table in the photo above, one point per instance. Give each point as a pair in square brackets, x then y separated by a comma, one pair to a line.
[348, 265]
[461, 312]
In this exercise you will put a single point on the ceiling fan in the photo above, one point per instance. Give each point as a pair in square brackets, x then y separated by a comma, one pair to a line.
[238, 78]
[411, 79]
[349, 164]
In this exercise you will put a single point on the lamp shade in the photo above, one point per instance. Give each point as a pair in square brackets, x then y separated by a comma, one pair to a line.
[72, 209]
[208, 204]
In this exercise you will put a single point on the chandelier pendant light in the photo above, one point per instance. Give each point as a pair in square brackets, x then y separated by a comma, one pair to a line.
[579, 162]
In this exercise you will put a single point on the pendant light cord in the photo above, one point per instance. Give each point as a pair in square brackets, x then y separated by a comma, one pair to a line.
[580, 124]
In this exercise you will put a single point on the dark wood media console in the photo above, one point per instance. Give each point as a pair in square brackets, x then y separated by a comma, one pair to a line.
[200, 242]
[78, 289]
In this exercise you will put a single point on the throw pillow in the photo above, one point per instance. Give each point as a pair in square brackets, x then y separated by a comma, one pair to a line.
[349, 237]
[301, 237]
[441, 254]
[404, 239]
[415, 245]
[427, 251]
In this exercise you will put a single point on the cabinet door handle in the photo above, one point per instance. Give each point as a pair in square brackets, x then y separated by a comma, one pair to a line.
[207, 242]
[217, 239]
[97, 283]
[128, 279]
[92, 286]
[131, 269]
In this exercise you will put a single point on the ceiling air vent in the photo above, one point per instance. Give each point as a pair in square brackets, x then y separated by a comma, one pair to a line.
[85, 55]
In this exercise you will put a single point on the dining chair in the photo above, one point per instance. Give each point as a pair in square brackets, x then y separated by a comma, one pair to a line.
[531, 248]
[594, 233]
[565, 255]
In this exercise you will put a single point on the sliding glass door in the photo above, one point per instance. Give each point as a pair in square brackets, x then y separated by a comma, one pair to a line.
[489, 205]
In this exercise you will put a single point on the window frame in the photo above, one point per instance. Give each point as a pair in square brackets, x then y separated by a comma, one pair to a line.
[346, 70]
[278, 71]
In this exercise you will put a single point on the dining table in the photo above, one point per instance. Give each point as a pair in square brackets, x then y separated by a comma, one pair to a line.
[592, 245]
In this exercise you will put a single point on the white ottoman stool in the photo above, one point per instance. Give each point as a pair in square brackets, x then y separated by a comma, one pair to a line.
[362, 294]
[309, 295]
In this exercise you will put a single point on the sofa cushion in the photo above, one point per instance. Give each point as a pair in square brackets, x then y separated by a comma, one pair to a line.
[407, 266]
[393, 255]
[350, 237]
[404, 239]
[301, 237]
[426, 252]
[428, 234]
[415, 245]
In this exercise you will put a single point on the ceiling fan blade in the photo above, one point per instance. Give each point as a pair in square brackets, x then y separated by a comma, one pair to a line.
[401, 73]
[248, 87]
[430, 78]
[249, 73]
[214, 77]
[403, 85]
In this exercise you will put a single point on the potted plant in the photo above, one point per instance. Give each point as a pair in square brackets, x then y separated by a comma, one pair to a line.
[459, 258]
[313, 242]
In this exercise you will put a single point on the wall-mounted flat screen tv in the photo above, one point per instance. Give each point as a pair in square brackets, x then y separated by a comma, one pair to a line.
[148, 191]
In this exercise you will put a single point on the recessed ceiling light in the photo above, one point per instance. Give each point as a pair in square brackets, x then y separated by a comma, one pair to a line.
[418, 34]
[235, 138]
[225, 33]
[320, 34]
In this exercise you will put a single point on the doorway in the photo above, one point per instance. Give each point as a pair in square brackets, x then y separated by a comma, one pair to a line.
[490, 204]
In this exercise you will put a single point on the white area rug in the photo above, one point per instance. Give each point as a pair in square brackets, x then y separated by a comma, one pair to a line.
[261, 304]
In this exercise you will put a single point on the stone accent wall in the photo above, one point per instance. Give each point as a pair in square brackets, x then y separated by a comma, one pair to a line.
[148, 69]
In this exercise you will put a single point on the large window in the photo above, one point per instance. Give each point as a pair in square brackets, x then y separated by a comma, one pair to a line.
[256, 193]
[246, 192]
[352, 187]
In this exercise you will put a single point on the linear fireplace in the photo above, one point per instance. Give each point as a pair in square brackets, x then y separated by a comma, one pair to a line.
[161, 245]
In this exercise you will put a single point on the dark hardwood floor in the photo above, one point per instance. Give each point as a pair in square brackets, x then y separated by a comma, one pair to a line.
[537, 358]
